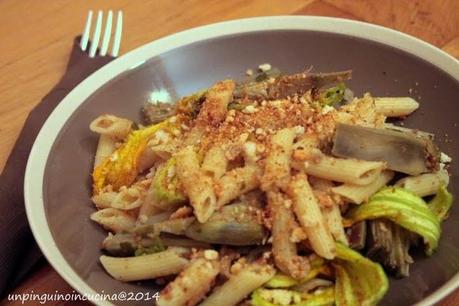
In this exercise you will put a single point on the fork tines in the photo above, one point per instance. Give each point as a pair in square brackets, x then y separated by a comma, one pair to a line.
[107, 34]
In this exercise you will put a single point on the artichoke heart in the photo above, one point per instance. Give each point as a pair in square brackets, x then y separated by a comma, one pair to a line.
[403, 151]
[235, 224]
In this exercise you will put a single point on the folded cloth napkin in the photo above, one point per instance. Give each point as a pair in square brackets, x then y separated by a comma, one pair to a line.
[19, 252]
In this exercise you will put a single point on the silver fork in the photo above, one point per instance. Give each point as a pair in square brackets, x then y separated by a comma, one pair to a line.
[107, 34]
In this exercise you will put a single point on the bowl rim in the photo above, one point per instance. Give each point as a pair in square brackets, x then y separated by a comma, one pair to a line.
[36, 165]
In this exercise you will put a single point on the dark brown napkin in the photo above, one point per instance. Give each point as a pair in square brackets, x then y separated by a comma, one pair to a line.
[18, 251]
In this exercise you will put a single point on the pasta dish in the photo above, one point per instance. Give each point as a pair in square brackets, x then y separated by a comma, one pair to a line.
[278, 190]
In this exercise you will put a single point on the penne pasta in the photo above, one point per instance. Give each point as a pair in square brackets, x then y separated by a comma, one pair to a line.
[111, 126]
[360, 112]
[395, 106]
[284, 250]
[215, 162]
[240, 285]
[334, 222]
[320, 184]
[105, 147]
[358, 194]
[308, 212]
[146, 160]
[306, 141]
[197, 185]
[129, 198]
[250, 153]
[322, 191]
[191, 285]
[237, 182]
[148, 209]
[114, 220]
[150, 222]
[214, 108]
[104, 199]
[277, 168]
[358, 172]
[195, 135]
[331, 213]
[163, 151]
[143, 267]
[424, 184]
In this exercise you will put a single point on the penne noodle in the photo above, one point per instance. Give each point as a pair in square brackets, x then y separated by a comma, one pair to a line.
[195, 135]
[237, 182]
[164, 150]
[320, 184]
[284, 250]
[105, 147]
[238, 147]
[197, 185]
[331, 213]
[424, 184]
[308, 212]
[146, 160]
[215, 162]
[361, 111]
[125, 199]
[104, 199]
[191, 285]
[334, 222]
[240, 285]
[143, 267]
[358, 194]
[129, 198]
[321, 189]
[306, 141]
[148, 223]
[395, 106]
[358, 172]
[111, 126]
[114, 220]
[277, 168]
[214, 108]
[250, 153]
[148, 209]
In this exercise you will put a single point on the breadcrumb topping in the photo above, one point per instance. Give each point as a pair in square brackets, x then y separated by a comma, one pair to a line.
[211, 255]
[264, 67]
[259, 121]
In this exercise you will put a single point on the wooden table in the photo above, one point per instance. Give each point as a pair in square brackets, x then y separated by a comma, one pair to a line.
[36, 37]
